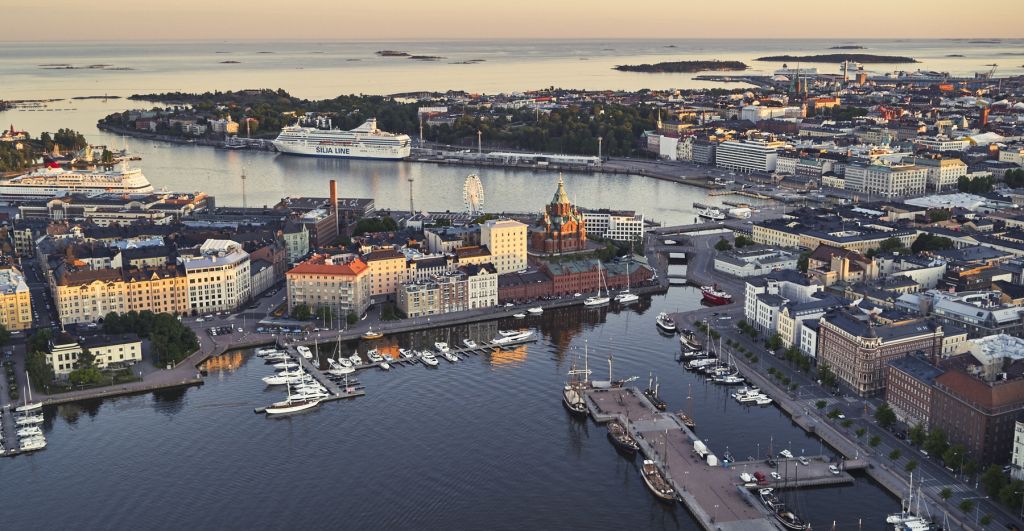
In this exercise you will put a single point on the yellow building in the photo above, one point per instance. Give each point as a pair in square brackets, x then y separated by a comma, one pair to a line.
[336, 282]
[85, 296]
[387, 271]
[506, 239]
[16, 303]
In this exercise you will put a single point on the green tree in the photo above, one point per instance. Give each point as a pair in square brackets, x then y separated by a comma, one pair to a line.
[324, 314]
[827, 377]
[928, 242]
[301, 312]
[743, 241]
[5, 335]
[834, 414]
[938, 214]
[874, 441]
[820, 404]
[986, 519]
[860, 432]
[892, 245]
[966, 505]
[885, 416]
[775, 342]
[945, 493]
[39, 341]
[993, 480]
[40, 372]
[86, 360]
[953, 457]
[895, 454]
[910, 466]
[917, 434]
[723, 245]
[936, 443]
[352, 318]
[1014, 178]
[803, 261]
[977, 185]
[107, 157]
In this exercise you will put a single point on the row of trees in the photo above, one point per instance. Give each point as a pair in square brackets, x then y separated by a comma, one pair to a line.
[170, 340]
[14, 159]
[1014, 178]
[303, 312]
[573, 130]
[977, 185]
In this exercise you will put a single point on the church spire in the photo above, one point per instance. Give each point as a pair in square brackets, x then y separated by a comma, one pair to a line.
[560, 198]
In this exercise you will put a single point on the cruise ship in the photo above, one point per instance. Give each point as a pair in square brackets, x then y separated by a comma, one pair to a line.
[363, 142]
[55, 181]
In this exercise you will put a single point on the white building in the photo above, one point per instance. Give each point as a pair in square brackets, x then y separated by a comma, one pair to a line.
[894, 181]
[618, 225]
[943, 173]
[755, 260]
[1017, 454]
[64, 350]
[1013, 155]
[483, 285]
[788, 284]
[218, 279]
[748, 155]
[506, 239]
[941, 143]
[757, 113]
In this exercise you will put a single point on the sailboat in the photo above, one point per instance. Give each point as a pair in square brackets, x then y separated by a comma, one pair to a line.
[292, 404]
[599, 300]
[29, 406]
[652, 394]
[656, 482]
[572, 392]
[685, 417]
[626, 296]
[620, 437]
[907, 519]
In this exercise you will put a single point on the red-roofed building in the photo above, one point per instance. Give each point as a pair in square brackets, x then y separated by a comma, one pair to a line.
[341, 283]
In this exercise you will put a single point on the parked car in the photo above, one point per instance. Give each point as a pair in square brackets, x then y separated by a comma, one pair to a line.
[776, 476]
[833, 469]
[803, 460]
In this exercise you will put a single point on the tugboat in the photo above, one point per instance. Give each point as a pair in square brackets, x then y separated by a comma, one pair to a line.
[655, 481]
[621, 438]
[714, 295]
[665, 323]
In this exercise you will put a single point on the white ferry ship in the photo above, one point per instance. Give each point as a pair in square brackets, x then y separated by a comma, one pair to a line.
[365, 141]
[55, 181]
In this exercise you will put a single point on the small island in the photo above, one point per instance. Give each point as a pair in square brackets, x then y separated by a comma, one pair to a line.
[229, 62]
[847, 47]
[838, 58]
[954, 55]
[392, 53]
[468, 62]
[426, 57]
[675, 67]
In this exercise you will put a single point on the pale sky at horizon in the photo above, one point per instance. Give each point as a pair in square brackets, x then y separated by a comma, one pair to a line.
[106, 20]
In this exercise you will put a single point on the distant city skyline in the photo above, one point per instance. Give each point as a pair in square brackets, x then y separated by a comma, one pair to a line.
[122, 20]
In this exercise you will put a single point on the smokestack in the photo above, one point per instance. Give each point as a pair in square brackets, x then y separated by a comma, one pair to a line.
[334, 197]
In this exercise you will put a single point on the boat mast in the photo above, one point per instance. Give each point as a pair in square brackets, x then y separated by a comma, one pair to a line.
[609, 368]
[586, 363]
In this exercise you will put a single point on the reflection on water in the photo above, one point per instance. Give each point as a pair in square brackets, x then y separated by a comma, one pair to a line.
[508, 357]
[227, 362]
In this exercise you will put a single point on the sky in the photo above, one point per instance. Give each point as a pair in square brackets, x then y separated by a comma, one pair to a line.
[106, 20]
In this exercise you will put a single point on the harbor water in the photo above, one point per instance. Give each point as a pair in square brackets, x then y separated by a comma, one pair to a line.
[482, 443]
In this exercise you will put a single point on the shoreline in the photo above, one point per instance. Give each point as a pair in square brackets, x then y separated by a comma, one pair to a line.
[612, 166]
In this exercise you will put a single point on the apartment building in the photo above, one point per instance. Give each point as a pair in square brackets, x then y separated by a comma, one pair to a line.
[467, 288]
[387, 271]
[506, 239]
[15, 300]
[85, 295]
[219, 278]
[617, 225]
[748, 156]
[64, 349]
[341, 283]
[894, 181]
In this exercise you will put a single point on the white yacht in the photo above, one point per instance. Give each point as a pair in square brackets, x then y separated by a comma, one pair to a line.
[374, 356]
[469, 343]
[511, 336]
[428, 358]
[305, 352]
[712, 213]
[536, 310]
[32, 444]
[441, 346]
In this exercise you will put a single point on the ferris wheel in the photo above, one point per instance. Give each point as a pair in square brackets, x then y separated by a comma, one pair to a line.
[473, 194]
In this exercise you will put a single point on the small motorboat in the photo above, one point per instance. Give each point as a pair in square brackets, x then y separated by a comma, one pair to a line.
[32, 444]
[665, 323]
[355, 359]
[372, 334]
[29, 420]
[626, 297]
[30, 431]
[786, 454]
[305, 352]
[429, 359]
[441, 346]
[450, 356]
[536, 310]
[469, 343]
[374, 356]
[406, 353]
[385, 365]
[285, 365]
[519, 315]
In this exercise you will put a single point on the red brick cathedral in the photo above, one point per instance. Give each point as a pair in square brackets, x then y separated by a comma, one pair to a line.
[563, 226]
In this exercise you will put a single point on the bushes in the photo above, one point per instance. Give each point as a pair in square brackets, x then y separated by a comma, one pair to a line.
[171, 340]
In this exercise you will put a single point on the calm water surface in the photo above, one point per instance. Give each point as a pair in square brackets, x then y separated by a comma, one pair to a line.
[484, 443]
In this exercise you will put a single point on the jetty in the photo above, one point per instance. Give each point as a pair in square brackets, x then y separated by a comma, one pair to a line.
[710, 488]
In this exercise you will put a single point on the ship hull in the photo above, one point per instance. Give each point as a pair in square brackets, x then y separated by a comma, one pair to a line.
[714, 299]
[343, 152]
